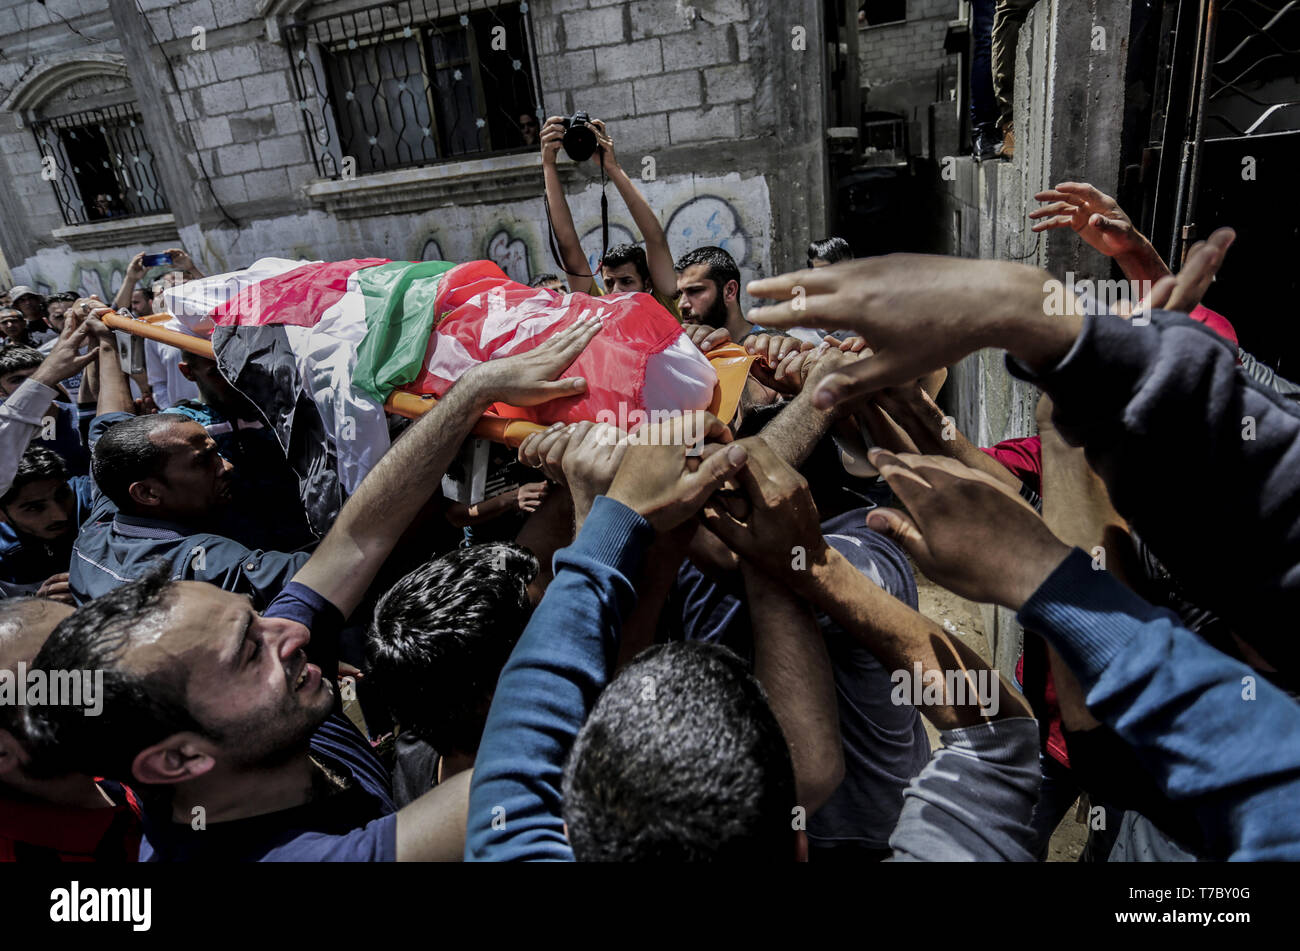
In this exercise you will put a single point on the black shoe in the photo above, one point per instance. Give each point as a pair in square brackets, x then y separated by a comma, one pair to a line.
[984, 145]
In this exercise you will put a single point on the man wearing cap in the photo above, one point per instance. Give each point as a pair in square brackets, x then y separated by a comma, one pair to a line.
[31, 304]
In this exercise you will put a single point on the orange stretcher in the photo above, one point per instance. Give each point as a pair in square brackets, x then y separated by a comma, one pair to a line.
[730, 362]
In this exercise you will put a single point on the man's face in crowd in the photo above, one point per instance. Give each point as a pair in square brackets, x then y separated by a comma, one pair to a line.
[13, 325]
[43, 509]
[623, 279]
[54, 315]
[141, 305]
[529, 129]
[10, 382]
[555, 285]
[701, 299]
[196, 479]
[247, 680]
[31, 306]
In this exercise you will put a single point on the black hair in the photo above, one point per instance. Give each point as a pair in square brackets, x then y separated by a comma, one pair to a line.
[440, 637]
[722, 266]
[63, 297]
[146, 291]
[13, 359]
[125, 454]
[831, 250]
[621, 254]
[681, 760]
[541, 279]
[36, 464]
[138, 709]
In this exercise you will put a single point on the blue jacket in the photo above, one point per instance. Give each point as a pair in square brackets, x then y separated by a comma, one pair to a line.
[27, 562]
[1214, 734]
[114, 549]
[973, 801]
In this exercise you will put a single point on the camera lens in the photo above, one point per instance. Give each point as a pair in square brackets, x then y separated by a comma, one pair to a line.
[579, 141]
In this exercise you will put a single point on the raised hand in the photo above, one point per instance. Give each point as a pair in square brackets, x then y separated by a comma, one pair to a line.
[965, 530]
[663, 480]
[705, 337]
[527, 379]
[530, 497]
[1093, 215]
[552, 138]
[56, 588]
[771, 522]
[606, 142]
[591, 460]
[920, 313]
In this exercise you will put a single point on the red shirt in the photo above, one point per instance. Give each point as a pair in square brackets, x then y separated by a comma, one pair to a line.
[31, 830]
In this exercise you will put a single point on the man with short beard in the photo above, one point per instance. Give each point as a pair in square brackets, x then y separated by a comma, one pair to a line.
[225, 717]
[708, 281]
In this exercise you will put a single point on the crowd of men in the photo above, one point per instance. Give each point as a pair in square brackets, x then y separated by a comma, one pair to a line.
[697, 641]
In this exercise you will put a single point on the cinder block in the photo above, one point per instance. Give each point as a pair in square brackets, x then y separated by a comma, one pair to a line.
[282, 150]
[235, 62]
[702, 46]
[698, 125]
[594, 28]
[266, 185]
[606, 102]
[629, 61]
[669, 91]
[729, 83]
[222, 98]
[266, 89]
[237, 159]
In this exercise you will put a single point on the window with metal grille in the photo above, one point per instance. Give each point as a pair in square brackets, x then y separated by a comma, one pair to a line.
[99, 163]
[399, 85]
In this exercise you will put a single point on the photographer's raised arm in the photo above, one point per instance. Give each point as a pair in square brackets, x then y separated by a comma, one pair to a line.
[659, 257]
[572, 261]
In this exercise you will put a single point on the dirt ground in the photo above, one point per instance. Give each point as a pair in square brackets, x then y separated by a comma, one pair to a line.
[941, 605]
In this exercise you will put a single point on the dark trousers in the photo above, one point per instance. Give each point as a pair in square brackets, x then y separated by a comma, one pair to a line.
[983, 103]
[1008, 20]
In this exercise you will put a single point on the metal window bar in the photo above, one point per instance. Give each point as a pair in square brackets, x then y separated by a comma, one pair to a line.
[99, 164]
[405, 84]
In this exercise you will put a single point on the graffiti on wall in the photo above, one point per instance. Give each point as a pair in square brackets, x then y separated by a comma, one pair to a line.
[84, 276]
[510, 254]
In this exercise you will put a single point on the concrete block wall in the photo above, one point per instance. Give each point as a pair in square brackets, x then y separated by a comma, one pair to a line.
[899, 63]
[1066, 98]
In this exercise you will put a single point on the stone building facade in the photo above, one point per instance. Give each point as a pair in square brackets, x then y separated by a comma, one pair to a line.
[223, 125]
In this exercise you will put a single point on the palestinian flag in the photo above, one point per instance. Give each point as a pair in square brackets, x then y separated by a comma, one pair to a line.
[345, 334]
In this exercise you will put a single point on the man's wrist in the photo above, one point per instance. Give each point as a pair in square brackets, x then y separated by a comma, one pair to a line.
[1040, 319]
[1032, 568]
[1143, 264]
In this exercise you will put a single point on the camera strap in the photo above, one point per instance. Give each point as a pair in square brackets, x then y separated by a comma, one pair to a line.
[604, 224]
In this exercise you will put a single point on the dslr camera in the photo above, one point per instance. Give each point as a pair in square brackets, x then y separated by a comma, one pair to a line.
[579, 140]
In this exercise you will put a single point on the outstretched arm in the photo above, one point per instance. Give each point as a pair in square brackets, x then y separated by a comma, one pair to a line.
[564, 657]
[395, 491]
[572, 260]
[659, 257]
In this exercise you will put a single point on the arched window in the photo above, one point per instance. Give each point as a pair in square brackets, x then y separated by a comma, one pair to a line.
[87, 125]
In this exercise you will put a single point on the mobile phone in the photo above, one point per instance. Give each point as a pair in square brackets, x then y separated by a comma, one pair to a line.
[153, 260]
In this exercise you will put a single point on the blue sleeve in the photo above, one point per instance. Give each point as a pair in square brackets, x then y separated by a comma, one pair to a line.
[551, 681]
[314, 611]
[376, 841]
[1174, 403]
[1215, 735]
